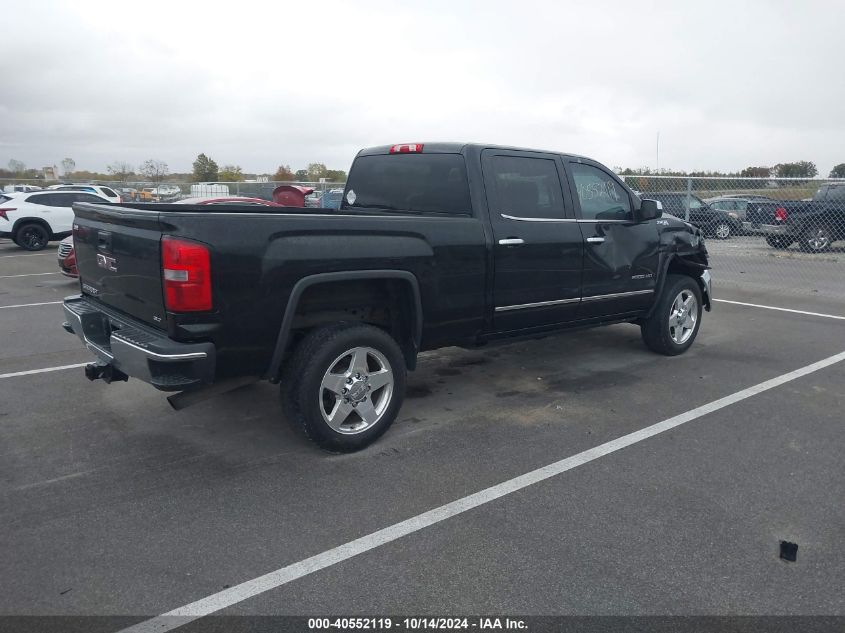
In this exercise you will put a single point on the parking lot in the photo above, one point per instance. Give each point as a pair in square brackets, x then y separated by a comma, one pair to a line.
[114, 504]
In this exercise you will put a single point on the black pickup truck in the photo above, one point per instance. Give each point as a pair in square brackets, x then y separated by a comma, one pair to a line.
[433, 245]
[815, 224]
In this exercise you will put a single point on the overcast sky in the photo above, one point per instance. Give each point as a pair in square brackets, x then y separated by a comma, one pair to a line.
[727, 84]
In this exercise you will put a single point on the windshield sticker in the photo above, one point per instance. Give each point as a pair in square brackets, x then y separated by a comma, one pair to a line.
[350, 197]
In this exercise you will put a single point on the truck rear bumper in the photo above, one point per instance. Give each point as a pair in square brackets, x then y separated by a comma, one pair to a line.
[766, 229]
[137, 350]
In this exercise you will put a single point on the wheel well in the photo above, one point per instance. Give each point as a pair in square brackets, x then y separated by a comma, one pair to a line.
[680, 266]
[385, 303]
[691, 267]
[18, 224]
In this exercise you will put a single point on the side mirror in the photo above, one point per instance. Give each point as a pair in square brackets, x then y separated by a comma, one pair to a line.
[650, 209]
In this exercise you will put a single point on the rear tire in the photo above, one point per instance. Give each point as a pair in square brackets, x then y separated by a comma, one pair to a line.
[32, 237]
[344, 385]
[776, 241]
[676, 318]
[722, 230]
[816, 239]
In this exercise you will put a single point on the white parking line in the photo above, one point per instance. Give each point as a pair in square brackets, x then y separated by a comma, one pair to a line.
[250, 588]
[757, 305]
[29, 275]
[41, 371]
[53, 253]
[29, 305]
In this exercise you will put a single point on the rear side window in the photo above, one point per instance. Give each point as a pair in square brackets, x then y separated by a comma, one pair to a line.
[108, 192]
[85, 197]
[831, 192]
[62, 200]
[414, 183]
[601, 197]
[44, 198]
[527, 187]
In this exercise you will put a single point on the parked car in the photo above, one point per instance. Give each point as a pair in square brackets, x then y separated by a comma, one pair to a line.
[815, 224]
[128, 194]
[312, 200]
[730, 204]
[106, 192]
[239, 200]
[32, 220]
[67, 258]
[720, 224]
[20, 188]
[335, 307]
[148, 194]
[167, 193]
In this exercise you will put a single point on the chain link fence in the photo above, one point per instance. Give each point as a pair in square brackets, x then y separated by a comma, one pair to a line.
[780, 235]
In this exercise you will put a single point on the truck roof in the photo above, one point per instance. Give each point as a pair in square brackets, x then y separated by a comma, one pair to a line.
[457, 148]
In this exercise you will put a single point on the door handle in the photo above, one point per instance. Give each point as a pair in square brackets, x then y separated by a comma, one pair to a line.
[512, 241]
[595, 240]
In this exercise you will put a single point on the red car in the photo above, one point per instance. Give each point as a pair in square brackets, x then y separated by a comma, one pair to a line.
[67, 258]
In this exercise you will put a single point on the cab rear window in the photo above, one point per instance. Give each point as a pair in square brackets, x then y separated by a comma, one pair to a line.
[410, 183]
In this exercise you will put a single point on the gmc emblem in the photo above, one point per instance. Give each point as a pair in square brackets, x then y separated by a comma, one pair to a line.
[109, 263]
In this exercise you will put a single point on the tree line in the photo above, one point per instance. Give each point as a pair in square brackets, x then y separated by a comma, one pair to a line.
[205, 169]
[797, 169]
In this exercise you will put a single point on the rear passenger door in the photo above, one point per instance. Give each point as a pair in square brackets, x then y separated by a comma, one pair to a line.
[537, 245]
[620, 251]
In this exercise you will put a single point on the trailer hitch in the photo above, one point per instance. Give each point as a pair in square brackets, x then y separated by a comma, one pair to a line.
[105, 372]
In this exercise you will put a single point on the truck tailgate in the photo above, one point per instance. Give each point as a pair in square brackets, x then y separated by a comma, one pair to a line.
[118, 254]
[760, 213]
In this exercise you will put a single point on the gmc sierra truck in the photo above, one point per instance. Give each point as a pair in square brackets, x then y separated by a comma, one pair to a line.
[433, 245]
[815, 224]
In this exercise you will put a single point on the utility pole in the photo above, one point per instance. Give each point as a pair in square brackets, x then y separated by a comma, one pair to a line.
[657, 160]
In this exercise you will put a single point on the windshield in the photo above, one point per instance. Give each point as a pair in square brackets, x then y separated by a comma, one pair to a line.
[435, 183]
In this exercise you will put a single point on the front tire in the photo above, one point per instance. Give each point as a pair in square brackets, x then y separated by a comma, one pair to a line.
[32, 237]
[344, 385]
[676, 318]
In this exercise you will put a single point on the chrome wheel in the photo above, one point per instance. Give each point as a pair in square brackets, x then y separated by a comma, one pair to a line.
[683, 316]
[723, 231]
[356, 390]
[818, 239]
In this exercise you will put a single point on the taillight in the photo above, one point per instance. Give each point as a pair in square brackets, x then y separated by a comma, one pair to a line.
[186, 268]
[3, 213]
[407, 148]
[780, 214]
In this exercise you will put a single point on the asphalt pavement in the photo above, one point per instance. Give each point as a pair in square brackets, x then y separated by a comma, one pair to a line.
[114, 504]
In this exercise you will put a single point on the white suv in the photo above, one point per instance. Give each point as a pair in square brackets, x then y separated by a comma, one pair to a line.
[106, 192]
[34, 219]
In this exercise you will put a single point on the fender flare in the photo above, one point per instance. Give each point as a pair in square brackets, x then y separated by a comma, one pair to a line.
[312, 280]
[661, 282]
[31, 220]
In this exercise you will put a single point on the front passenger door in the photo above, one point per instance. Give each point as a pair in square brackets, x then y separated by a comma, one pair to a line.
[620, 252]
